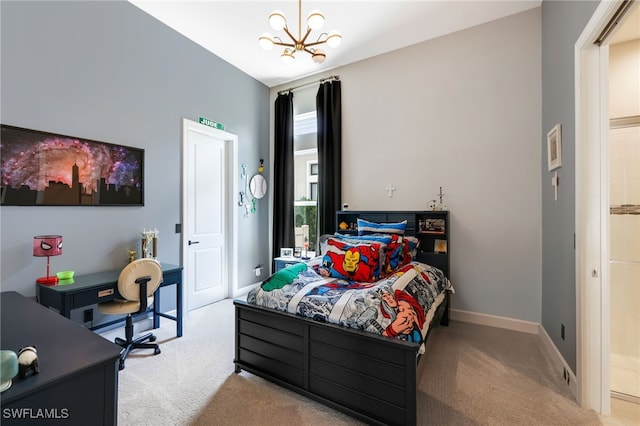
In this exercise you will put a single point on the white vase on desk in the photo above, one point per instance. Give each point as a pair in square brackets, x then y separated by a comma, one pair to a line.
[8, 368]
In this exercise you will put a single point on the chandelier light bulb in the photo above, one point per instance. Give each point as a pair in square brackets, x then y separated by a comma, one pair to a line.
[277, 20]
[315, 20]
[318, 56]
[334, 39]
[287, 56]
[266, 41]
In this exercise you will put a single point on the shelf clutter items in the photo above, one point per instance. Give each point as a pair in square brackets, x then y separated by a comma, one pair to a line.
[431, 228]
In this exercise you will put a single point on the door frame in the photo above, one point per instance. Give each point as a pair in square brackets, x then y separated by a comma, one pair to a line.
[592, 213]
[231, 190]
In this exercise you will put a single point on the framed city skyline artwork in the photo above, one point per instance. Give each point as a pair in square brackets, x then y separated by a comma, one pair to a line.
[41, 168]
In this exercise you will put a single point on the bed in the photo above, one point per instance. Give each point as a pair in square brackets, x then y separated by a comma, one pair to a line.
[352, 345]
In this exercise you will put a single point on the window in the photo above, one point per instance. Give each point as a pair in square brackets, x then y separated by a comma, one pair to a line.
[312, 179]
[306, 180]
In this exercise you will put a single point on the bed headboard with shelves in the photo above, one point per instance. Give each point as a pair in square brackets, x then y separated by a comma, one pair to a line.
[432, 228]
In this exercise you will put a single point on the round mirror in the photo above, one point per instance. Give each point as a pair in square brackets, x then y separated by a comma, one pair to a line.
[258, 186]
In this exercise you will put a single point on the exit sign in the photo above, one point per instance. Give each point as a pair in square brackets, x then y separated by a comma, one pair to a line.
[211, 123]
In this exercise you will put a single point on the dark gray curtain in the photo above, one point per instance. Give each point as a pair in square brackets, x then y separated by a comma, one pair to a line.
[329, 113]
[283, 177]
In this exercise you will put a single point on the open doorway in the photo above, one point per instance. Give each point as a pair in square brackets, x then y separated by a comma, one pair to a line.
[624, 208]
[593, 201]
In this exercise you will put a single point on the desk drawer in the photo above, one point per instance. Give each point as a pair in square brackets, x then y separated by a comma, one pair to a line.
[96, 295]
[170, 278]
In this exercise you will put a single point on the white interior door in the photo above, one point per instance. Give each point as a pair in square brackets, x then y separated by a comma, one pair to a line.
[206, 218]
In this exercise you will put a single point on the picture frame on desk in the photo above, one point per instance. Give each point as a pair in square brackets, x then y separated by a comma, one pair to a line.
[286, 252]
[432, 226]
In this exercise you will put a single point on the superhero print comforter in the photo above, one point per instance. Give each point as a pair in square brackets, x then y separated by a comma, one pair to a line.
[400, 305]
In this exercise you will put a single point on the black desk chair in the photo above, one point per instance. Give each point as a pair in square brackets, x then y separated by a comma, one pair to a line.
[137, 283]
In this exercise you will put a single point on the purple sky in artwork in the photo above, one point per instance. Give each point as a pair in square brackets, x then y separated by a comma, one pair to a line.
[51, 158]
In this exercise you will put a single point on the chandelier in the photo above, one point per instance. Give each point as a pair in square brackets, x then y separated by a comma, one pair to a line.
[315, 20]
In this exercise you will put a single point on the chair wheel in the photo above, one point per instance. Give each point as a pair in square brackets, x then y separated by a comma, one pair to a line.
[152, 338]
[156, 351]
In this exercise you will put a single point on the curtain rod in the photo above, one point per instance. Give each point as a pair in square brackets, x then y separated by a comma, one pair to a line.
[322, 80]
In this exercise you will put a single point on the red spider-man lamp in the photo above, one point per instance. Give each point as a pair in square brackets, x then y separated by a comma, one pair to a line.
[47, 245]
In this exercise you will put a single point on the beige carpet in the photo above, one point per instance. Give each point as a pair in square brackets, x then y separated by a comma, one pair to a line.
[470, 375]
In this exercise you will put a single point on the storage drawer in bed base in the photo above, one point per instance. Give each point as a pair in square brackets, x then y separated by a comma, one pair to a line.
[364, 375]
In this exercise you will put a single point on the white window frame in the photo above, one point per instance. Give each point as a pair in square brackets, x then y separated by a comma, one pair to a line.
[311, 178]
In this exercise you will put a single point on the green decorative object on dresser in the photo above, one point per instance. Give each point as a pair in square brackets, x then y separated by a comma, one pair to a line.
[8, 368]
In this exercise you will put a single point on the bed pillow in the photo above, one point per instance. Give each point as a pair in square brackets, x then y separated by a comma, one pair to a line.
[383, 239]
[401, 251]
[397, 250]
[394, 256]
[322, 242]
[410, 248]
[353, 262]
[365, 227]
[365, 239]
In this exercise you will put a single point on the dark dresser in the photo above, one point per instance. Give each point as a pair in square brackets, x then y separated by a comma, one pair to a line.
[78, 379]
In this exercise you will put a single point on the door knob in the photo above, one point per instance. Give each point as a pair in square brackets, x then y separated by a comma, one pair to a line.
[194, 242]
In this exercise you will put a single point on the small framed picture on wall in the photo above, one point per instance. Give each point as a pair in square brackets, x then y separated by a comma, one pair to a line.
[554, 147]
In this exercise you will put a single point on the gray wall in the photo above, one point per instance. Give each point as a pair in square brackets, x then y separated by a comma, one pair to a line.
[470, 111]
[562, 24]
[463, 112]
[109, 72]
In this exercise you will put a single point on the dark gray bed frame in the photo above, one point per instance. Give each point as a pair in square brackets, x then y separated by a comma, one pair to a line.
[367, 376]
[364, 375]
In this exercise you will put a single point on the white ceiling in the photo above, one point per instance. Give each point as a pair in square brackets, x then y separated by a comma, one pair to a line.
[230, 29]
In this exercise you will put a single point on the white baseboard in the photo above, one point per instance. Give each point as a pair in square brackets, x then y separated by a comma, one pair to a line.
[494, 321]
[549, 347]
[558, 361]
